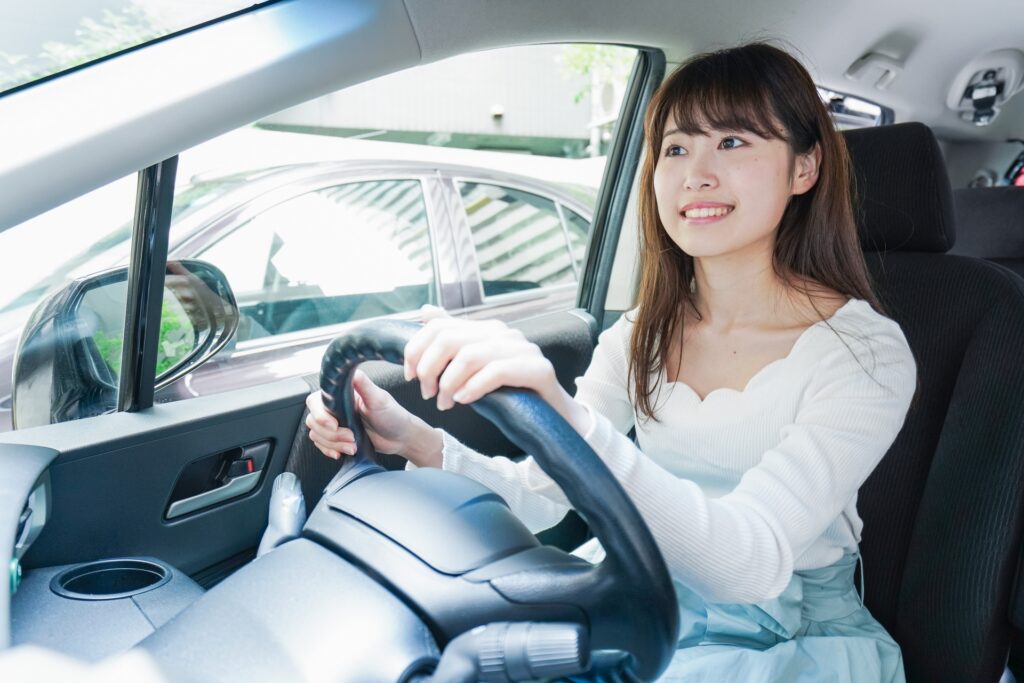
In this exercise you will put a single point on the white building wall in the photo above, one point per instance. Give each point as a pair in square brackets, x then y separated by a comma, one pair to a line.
[461, 95]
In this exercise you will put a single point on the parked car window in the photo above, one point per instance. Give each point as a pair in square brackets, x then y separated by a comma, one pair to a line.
[520, 240]
[579, 234]
[343, 253]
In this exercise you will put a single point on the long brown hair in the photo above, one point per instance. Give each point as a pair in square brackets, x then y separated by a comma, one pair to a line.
[761, 89]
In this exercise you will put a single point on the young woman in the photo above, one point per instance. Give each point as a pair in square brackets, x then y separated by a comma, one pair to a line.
[762, 377]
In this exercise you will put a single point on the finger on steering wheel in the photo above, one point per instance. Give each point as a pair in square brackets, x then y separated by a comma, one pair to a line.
[467, 362]
[527, 372]
[431, 349]
[448, 340]
[428, 313]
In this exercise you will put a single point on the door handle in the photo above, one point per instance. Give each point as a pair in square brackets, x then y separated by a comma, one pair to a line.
[227, 475]
[235, 486]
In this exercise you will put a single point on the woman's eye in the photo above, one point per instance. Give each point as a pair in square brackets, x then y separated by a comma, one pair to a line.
[674, 151]
[731, 143]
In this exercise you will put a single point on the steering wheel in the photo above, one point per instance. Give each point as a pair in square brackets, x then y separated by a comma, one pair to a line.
[628, 599]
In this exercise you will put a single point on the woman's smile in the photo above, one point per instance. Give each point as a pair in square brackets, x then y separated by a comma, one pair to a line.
[699, 213]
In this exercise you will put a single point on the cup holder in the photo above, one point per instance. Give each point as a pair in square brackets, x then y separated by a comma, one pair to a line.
[110, 579]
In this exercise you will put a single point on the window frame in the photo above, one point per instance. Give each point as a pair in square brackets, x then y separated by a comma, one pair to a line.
[617, 184]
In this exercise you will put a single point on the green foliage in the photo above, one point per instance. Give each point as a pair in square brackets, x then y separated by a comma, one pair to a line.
[601, 63]
[110, 349]
[94, 38]
[177, 339]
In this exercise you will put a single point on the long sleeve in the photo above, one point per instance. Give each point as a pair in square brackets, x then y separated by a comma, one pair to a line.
[530, 493]
[741, 547]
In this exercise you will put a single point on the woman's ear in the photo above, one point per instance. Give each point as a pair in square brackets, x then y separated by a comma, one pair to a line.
[805, 171]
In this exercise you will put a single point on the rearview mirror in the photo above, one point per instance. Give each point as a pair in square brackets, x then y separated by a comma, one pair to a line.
[68, 362]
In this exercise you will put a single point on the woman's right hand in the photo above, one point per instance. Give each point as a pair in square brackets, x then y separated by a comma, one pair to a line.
[392, 429]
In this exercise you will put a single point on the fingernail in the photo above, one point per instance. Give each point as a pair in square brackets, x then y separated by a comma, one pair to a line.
[460, 396]
[333, 454]
[407, 372]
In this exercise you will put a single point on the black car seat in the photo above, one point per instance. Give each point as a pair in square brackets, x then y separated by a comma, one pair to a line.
[990, 225]
[943, 512]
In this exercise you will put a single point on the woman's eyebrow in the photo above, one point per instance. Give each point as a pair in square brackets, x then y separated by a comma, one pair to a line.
[674, 131]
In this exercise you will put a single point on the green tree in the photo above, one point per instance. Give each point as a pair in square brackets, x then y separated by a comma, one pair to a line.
[600, 63]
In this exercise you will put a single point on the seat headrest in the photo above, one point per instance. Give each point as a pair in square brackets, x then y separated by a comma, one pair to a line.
[990, 222]
[903, 197]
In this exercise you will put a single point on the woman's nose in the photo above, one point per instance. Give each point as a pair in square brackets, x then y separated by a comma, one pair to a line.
[699, 173]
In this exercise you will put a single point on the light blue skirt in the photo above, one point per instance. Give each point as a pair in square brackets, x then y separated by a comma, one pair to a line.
[817, 630]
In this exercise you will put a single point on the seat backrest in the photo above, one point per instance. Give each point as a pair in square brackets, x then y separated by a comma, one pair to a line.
[990, 225]
[943, 512]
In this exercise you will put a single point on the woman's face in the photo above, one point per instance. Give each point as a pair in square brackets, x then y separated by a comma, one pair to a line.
[725, 192]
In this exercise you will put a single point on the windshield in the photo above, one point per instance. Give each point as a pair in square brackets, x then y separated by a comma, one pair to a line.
[45, 37]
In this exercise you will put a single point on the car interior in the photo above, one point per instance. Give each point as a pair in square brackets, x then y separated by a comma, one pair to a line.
[409, 564]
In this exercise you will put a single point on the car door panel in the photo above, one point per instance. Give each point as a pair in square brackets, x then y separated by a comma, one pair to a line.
[112, 480]
[113, 476]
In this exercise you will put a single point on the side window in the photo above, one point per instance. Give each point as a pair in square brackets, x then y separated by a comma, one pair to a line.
[340, 208]
[343, 253]
[520, 240]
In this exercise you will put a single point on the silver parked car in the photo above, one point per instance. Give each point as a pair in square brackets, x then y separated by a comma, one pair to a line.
[309, 248]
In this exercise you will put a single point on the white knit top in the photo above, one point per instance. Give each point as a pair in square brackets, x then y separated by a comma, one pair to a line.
[744, 487]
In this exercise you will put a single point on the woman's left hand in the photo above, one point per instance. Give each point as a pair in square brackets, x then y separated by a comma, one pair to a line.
[458, 361]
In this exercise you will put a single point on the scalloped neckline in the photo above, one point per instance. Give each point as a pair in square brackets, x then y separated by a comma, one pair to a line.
[759, 373]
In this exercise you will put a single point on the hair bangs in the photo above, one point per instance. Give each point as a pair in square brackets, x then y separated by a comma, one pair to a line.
[718, 93]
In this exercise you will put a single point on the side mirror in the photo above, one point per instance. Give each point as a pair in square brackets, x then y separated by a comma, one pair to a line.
[68, 361]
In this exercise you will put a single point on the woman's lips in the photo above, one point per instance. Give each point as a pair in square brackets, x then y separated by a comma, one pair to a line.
[705, 213]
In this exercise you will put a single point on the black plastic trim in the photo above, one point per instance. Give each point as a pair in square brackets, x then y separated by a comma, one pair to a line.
[146, 270]
[627, 149]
